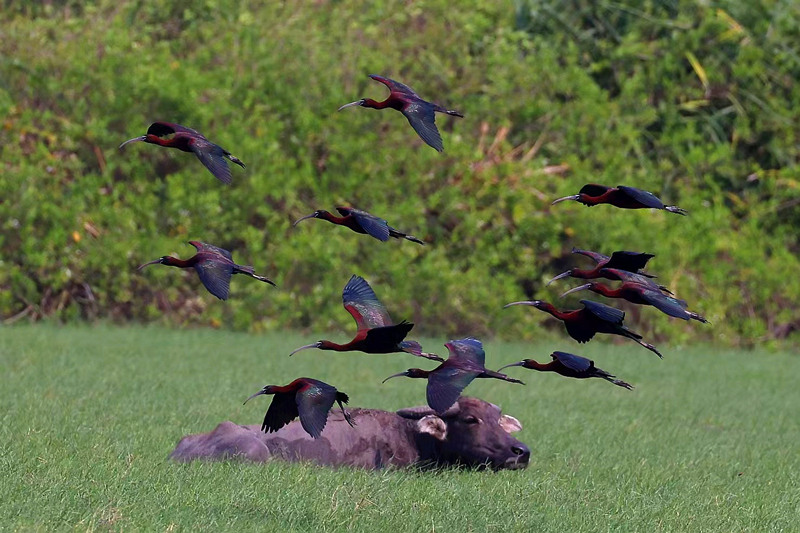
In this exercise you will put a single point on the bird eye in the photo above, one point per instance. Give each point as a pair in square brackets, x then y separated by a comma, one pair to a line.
[471, 420]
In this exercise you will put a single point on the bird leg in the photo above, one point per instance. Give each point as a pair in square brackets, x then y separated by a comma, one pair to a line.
[234, 159]
[618, 382]
[676, 209]
[346, 414]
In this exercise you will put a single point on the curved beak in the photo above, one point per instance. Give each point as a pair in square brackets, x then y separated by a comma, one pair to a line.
[521, 363]
[296, 222]
[259, 393]
[351, 104]
[135, 139]
[307, 346]
[527, 302]
[575, 197]
[566, 274]
[395, 376]
[576, 289]
[156, 261]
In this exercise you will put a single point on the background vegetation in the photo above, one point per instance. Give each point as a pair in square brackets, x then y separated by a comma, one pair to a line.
[704, 442]
[695, 101]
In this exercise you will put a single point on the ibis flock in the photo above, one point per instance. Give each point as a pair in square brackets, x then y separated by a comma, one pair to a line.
[376, 332]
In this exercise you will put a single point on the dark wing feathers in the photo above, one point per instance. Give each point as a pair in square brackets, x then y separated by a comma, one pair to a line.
[595, 256]
[469, 349]
[630, 261]
[573, 362]
[216, 276]
[282, 410]
[604, 312]
[205, 247]
[162, 129]
[666, 304]
[213, 157]
[579, 332]
[645, 198]
[594, 189]
[422, 119]
[360, 301]
[376, 227]
[446, 385]
[313, 404]
[395, 86]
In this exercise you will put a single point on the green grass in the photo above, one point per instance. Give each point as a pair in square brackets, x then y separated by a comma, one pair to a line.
[708, 441]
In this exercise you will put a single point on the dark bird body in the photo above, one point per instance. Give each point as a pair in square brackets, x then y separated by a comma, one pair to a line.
[620, 196]
[583, 324]
[420, 113]
[188, 140]
[465, 363]
[638, 293]
[361, 222]
[376, 332]
[308, 398]
[614, 274]
[213, 265]
[571, 366]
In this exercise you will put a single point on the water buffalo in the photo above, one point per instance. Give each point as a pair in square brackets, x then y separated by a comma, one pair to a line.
[472, 432]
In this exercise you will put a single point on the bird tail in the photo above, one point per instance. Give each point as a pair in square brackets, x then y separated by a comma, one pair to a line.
[415, 348]
[250, 271]
[676, 209]
[618, 382]
[234, 159]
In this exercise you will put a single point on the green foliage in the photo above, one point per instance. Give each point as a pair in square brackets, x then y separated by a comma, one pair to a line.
[704, 442]
[693, 102]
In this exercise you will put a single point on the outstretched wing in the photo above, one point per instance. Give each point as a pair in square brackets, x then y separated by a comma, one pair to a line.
[376, 227]
[213, 157]
[395, 86]
[595, 256]
[282, 410]
[422, 119]
[593, 189]
[580, 332]
[360, 301]
[215, 275]
[645, 198]
[446, 385]
[205, 247]
[572, 361]
[468, 349]
[313, 403]
[630, 261]
[162, 129]
[604, 312]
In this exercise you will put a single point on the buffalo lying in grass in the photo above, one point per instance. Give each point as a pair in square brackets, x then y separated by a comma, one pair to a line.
[472, 433]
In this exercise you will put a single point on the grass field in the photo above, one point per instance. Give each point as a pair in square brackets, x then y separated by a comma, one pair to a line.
[708, 441]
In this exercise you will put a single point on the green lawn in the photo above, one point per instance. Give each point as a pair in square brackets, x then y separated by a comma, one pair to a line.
[708, 441]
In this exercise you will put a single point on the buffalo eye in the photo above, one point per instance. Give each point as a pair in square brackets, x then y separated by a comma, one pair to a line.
[471, 420]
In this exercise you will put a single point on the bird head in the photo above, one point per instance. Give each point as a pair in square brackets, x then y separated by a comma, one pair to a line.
[585, 286]
[318, 344]
[165, 260]
[351, 104]
[410, 373]
[269, 389]
[319, 213]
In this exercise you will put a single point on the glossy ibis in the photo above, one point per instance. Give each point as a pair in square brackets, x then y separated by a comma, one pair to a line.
[615, 274]
[643, 295]
[620, 196]
[420, 114]
[361, 222]
[376, 332]
[582, 324]
[214, 265]
[571, 366]
[308, 398]
[446, 382]
[189, 140]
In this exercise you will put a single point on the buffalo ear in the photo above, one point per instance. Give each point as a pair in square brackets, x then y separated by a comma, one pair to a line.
[509, 423]
[434, 426]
